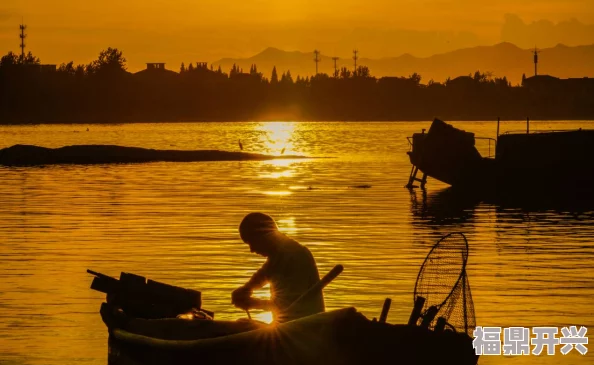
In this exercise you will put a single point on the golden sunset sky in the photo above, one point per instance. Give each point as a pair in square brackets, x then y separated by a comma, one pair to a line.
[195, 30]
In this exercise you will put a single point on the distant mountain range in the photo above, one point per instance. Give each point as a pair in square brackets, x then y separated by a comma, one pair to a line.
[504, 59]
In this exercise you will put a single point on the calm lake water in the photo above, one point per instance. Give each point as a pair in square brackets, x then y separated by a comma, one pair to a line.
[177, 223]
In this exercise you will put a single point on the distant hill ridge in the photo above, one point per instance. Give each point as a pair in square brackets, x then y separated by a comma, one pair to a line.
[503, 59]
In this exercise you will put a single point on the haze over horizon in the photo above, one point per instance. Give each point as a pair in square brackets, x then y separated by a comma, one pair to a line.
[155, 31]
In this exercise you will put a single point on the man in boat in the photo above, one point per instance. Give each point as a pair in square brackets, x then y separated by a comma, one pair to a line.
[290, 269]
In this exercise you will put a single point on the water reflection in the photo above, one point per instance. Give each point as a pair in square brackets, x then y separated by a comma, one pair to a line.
[288, 225]
[277, 137]
[442, 208]
[277, 193]
[456, 206]
[536, 200]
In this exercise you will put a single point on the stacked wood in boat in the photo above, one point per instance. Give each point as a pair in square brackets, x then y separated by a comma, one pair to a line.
[142, 298]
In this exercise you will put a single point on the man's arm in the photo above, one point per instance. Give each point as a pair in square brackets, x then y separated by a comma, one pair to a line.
[242, 295]
[260, 277]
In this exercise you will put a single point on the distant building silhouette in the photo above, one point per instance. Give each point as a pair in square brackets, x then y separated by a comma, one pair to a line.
[541, 81]
[583, 83]
[463, 82]
[155, 66]
[156, 71]
[551, 84]
[394, 82]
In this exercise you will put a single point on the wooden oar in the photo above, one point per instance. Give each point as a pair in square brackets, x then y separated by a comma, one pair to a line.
[317, 287]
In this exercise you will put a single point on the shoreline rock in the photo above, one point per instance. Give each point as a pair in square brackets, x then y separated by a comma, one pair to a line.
[29, 155]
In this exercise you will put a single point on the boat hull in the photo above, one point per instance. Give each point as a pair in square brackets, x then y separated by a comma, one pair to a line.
[526, 163]
[338, 337]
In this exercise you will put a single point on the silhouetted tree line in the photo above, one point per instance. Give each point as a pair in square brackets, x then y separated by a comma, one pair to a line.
[103, 91]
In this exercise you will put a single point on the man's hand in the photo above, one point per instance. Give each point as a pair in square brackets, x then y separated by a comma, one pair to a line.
[241, 297]
[255, 303]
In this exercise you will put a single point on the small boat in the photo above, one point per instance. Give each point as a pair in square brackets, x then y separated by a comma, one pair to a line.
[161, 333]
[542, 161]
[155, 323]
[341, 336]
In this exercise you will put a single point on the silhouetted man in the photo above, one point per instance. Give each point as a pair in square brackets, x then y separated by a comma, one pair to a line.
[290, 269]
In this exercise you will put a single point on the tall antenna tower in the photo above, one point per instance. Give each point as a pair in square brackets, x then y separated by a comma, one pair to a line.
[22, 27]
[536, 52]
[316, 59]
[335, 68]
[355, 58]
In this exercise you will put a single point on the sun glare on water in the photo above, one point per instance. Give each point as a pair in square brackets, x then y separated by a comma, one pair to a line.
[263, 293]
[265, 317]
[278, 137]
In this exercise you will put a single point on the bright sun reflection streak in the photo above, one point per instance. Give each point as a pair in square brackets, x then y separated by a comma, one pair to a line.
[287, 225]
[265, 317]
[278, 137]
[281, 162]
[276, 175]
[277, 193]
[263, 293]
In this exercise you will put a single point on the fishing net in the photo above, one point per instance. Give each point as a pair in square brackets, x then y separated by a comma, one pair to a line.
[443, 284]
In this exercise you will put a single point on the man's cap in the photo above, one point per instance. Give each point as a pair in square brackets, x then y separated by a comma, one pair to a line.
[255, 225]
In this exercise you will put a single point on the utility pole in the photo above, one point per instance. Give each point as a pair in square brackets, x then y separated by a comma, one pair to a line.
[22, 36]
[335, 69]
[355, 57]
[536, 52]
[317, 59]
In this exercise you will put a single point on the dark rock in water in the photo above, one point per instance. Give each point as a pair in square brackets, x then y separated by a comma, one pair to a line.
[27, 155]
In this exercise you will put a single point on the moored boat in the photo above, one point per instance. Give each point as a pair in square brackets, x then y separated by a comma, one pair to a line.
[542, 161]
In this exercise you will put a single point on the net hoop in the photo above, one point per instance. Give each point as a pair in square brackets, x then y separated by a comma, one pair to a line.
[462, 271]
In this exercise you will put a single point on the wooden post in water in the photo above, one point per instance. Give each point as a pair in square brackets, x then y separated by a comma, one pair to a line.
[498, 127]
[528, 125]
